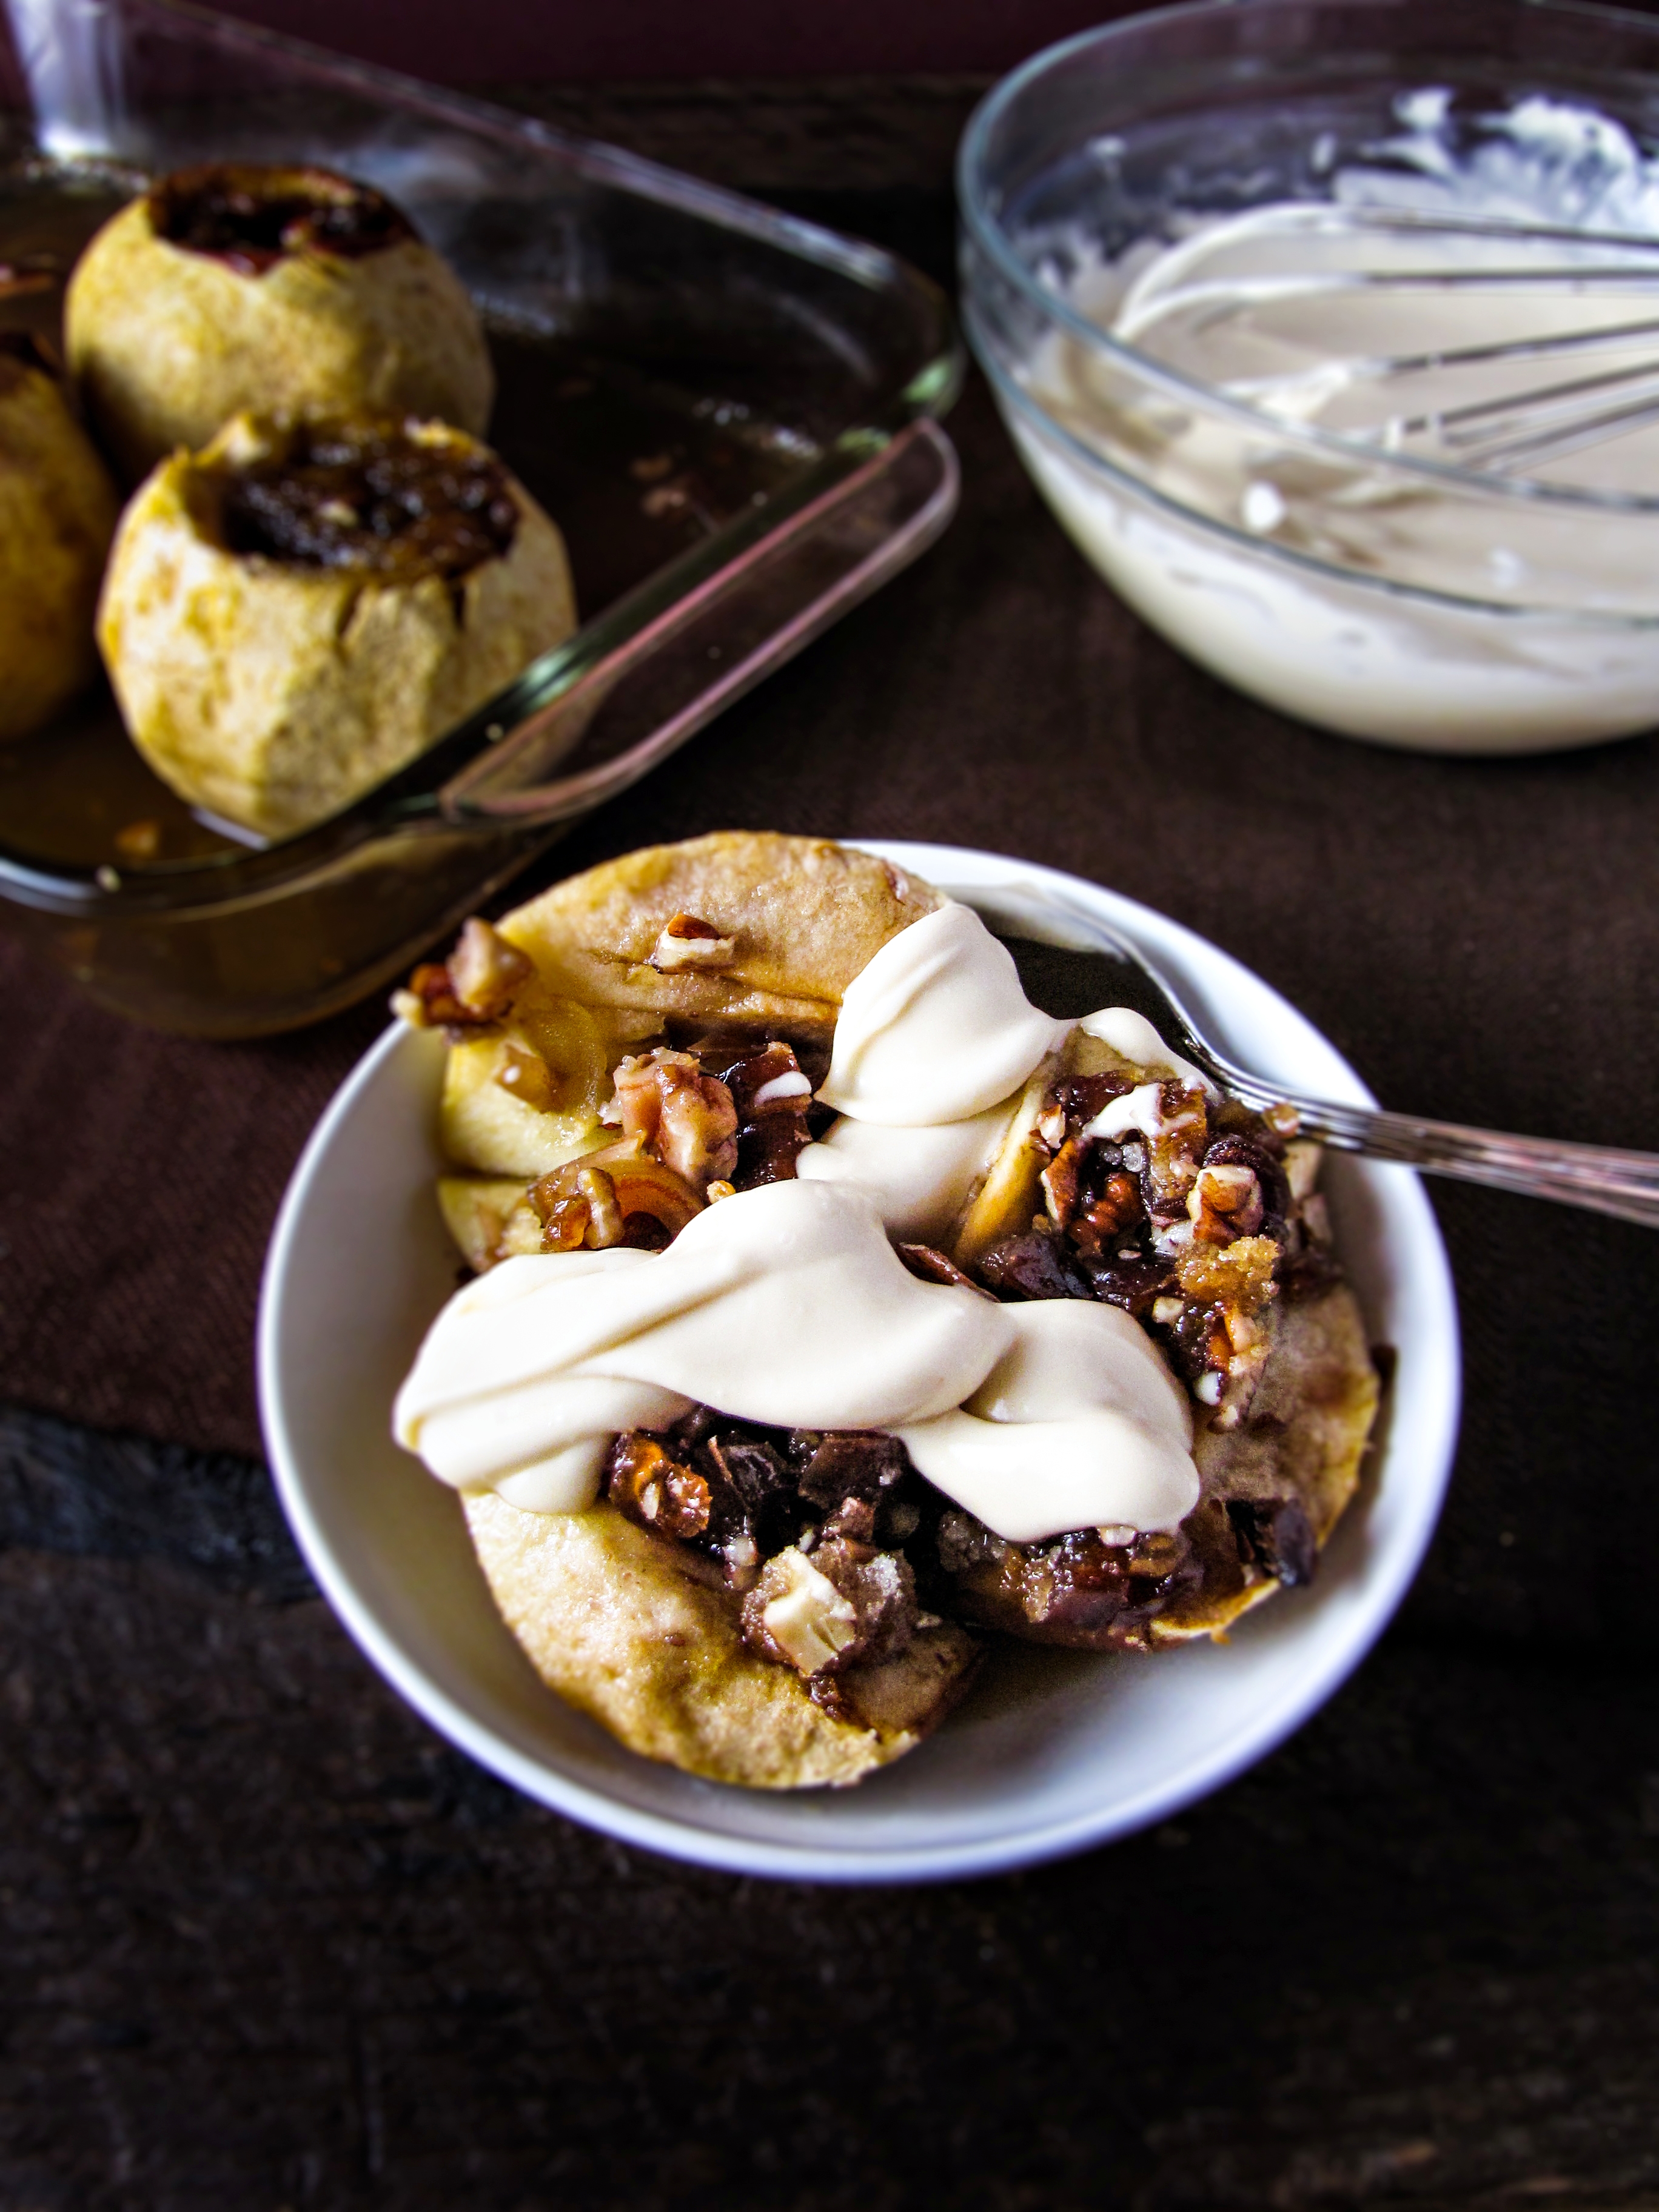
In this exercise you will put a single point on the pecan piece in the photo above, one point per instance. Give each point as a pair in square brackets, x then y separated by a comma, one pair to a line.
[1224, 1202]
[614, 1196]
[685, 1117]
[661, 1494]
[473, 988]
[689, 941]
[846, 1603]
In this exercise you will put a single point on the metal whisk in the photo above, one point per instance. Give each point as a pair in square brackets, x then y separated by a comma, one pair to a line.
[1263, 282]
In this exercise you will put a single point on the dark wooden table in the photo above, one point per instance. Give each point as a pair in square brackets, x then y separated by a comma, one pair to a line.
[270, 1943]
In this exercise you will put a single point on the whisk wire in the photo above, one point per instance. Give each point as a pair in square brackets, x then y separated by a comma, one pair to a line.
[1191, 287]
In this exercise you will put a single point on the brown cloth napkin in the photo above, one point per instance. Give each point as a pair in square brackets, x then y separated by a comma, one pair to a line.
[1479, 937]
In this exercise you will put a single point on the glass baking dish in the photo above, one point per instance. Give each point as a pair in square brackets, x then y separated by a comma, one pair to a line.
[728, 411]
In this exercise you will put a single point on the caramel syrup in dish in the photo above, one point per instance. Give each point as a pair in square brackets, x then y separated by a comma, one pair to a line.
[637, 463]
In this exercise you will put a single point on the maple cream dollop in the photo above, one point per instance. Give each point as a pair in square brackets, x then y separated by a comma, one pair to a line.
[936, 1028]
[787, 1305]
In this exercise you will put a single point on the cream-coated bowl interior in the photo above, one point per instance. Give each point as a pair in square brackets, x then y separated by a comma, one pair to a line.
[1052, 1750]
[1242, 470]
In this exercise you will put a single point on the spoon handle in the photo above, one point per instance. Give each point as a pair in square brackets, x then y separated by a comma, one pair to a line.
[1595, 1176]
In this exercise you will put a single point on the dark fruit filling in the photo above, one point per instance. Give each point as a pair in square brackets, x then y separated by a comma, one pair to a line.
[732, 1496]
[368, 496]
[251, 218]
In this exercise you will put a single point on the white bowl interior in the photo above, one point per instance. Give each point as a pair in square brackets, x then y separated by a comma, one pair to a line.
[1053, 1750]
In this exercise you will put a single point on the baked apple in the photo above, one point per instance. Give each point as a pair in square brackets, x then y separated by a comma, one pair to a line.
[744, 1488]
[292, 290]
[57, 510]
[301, 608]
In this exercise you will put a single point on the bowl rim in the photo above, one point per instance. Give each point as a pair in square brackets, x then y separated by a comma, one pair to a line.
[965, 870]
[983, 226]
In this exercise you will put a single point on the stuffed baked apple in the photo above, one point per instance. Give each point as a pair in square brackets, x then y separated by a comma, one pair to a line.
[301, 608]
[291, 290]
[855, 1310]
[57, 510]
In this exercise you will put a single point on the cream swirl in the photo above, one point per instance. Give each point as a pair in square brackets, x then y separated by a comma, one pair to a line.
[936, 1028]
[787, 1305]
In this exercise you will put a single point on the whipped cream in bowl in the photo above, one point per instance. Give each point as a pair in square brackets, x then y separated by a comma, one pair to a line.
[1055, 1749]
[1256, 292]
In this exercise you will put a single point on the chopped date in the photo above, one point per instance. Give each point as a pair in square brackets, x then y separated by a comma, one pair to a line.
[1274, 1535]
[1077, 1590]
[754, 1488]
[1034, 1266]
[852, 1463]
[756, 1471]
[881, 1589]
[846, 1604]
[1080, 1097]
[1132, 1284]
[770, 1096]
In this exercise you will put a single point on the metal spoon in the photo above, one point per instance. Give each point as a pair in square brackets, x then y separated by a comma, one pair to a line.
[1595, 1176]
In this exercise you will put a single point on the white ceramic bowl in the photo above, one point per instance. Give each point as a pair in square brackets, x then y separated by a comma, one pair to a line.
[1052, 1750]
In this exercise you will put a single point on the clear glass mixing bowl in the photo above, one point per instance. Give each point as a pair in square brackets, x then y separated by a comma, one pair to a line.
[1390, 595]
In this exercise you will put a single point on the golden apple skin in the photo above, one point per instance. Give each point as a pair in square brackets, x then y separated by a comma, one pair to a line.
[168, 343]
[58, 510]
[272, 692]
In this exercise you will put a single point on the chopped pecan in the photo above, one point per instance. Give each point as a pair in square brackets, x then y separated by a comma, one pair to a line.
[473, 988]
[685, 1117]
[846, 1602]
[1175, 1150]
[1062, 1179]
[661, 1494]
[1106, 1219]
[1302, 1162]
[617, 1196]
[1224, 1202]
[689, 941]
[1237, 1148]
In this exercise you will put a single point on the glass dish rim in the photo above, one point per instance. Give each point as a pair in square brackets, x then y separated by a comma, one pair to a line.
[407, 803]
[985, 230]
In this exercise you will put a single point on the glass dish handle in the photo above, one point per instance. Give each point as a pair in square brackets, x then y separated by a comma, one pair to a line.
[628, 711]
